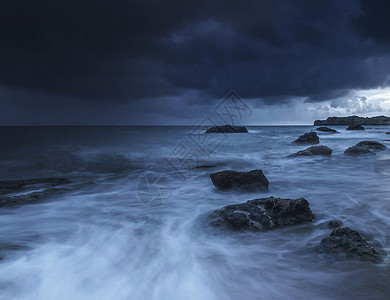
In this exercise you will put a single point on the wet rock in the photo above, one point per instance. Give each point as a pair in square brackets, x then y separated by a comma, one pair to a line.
[347, 243]
[308, 138]
[365, 147]
[326, 129]
[253, 180]
[388, 132]
[227, 129]
[356, 150]
[372, 145]
[313, 150]
[355, 127]
[262, 214]
[335, 224]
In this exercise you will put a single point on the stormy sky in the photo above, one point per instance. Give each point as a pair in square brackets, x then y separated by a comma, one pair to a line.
[128, 62]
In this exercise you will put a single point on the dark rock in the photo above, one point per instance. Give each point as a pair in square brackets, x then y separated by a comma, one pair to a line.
[308, 138]
[353, 120]
[372, 145]
[356, 150]
[30, 198]
[253, 180]
[314, 150]
[347, 243]
[335, 224]
[326, 129]
[388, 132]
[227, 129]
[355, 127]
[262, 214]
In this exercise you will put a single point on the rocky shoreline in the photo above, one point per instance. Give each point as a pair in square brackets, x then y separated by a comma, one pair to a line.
[353, 120]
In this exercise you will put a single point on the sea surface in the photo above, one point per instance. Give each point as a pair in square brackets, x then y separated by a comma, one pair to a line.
[131, 221]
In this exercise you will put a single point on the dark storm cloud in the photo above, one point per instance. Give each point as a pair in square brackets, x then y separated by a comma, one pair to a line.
[119, 50]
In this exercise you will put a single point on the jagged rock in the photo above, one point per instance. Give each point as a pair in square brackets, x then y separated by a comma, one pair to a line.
[262, 214]
[372, 145]
[355, 127]
[326, 129]
[353, 120]
[308, 138]
[347, 243]
[227, 129]
[355, 150]
[253, 180]
[314, 150]
[335, 224]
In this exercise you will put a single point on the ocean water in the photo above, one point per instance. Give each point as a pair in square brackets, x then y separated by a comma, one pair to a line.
[130, 224]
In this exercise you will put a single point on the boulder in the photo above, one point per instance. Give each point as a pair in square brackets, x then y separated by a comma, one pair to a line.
[227, 129]
[355, 127]
[356, 150]
[326, 129]
[347, 243]
[308, 138]
[253, 180]
[314, 150]
[262, 214]
[372, 145]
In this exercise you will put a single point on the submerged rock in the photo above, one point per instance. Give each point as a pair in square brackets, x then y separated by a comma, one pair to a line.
[308, 138]
[253, 180]
[7, 186]
[371, 145]
[347, 243]
[326, 129]
[29, 198]
[314, 150]
[227, 129]
[355, 127]
[262, 214]
[335, 224]
[388, 132]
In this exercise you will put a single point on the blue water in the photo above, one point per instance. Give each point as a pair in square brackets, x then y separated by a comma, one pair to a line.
[131, 223]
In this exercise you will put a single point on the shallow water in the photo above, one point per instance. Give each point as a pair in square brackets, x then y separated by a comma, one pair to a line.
[108, 235]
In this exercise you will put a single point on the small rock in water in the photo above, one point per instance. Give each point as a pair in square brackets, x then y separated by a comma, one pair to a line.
[227, 129]
[314, 150]
[388, 132]
[347, 243]
[335, 224]
[308, 138]
[355, 127]
[253, 180]
[262, 214]
[365, 147]
[371, 145]
[326, 129]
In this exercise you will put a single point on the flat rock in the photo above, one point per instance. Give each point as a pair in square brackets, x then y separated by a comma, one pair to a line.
[326, 129]
[349, 244]
[262, 214]
[253, 180]
[314, 150]
[308, 138]
[227, 129]
[355, 127]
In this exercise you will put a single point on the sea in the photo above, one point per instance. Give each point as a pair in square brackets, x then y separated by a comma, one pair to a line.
[128, 219]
